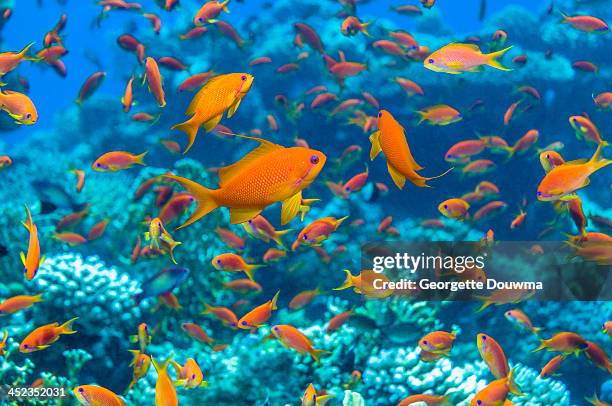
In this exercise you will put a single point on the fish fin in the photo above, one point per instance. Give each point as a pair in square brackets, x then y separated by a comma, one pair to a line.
[135, 353]
[212, 123]
[486, 303]
[229, 172]
[290, 208]
[66, 328]
[179, 382]
[576, 161]
[316, 354]
[140, 158]
[204, 197]
[249, 271]
[177, 366]
[348, 282]
[240, 215]
[398, 178]
[190, 128]
[543, 345]
[274, 300]
[473, 47]
[375, 140]
[161, 367]
[133, 339]
[277, 237]
[233, 108]
[42, 347]
[23, 258]
[455, 66]
[38, 298]
[493, 62]
[512, 386]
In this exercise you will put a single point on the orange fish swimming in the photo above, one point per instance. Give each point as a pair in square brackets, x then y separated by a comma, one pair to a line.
[260, 227]
[197, 332]
[210, 11]
[117, 160]
[437, 342]
[440, 114]
[310, 397]
[223, 314]
[165, 393]
[458, 58]
[291, 337]
[268, 174]
[564, 342]
[19, 302]
[143, 337]
[128, 96]
[493, 355]
[563, 180]
[454, 209]
[317, 231]
[496, 392]
[10, 60]
[189, 375]
[3, 343]
[259, 315]
[154, 81]
[429, 400]
[32, 261]
[234, 263]
[391, 140]
[586, 23]
[220, 94]
[42, 337]
[93, 395]
[366, 284]
[140, 363]
[19, 107]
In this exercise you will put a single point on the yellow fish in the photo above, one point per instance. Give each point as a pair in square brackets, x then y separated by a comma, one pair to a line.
[221, 93]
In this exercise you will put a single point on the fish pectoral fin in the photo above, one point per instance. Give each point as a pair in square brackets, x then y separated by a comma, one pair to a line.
[233, 108]
[23, 258]
[240, 215]
[180, 382]
[398, 178]
[42, 347]
[212, 123]
[586, 182]
[133, 339]
[455, 66]
[477, 69]
[375, 140]
[291, 207]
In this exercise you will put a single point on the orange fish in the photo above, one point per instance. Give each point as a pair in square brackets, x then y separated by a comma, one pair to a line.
[221, 93]
[154, 81]
[585, 129]
[268, 174]
[598, 356]
[454, 209]
[196, 332]
[429, 400]
[351, 26]
[586, 23]
[70, 238]
[317, 231]
[3, 343]
[243, 285]
[505, 296]
[440, 114]
[338, 320]
[72, 219]
[210, 11]
[234, 263]
[10, 60]
[260, 227]
[165, 394]
[189, 375]
[259, 315]
[493, 355]
[32, 261]
[90, 85]
[496, 392]
[310, 397]
[517, 317]
[93, 395]
[303, 298]
[563, 180]
[143, 337]
[42, 337]
[365, 283]
[564, 342]
[391, 140]
[80, 175]
[19, 107]
[551, 366]
[273, 254]
[518, 220]
[19, 302]
[223, 314]
[141, 363]
[117, 160]
[97, 230]
[458, 58]
[230, 238]
[128, 96]
[437, 342]
[291, 337]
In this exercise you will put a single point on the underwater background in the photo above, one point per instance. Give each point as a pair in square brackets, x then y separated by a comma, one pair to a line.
[373, 358]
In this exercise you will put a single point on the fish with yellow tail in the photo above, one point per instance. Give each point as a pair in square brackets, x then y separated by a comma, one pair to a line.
[189, 375]
[367, 283]
[165, 393]
[143, 338]
[496, 392]
[141, 363]
[317, 232]
[32, 260]
[42, 337]
[391, 140]
[310, 397]
[270, 173]
[93, 395]
[292, 338]
[457, 58]
[19, 106]
[562, 181]
[220, 94]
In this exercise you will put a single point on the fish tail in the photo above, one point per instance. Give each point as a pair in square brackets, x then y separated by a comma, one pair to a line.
[249, 269]
[596, 159]
[442, 174]
[23, 52]
[190, 128]
[340, 220]
[422, 117]
[510, 151]
[536, 331]
[38, 298]
[224, 6]
[176, 366]
[316, 354]
[348, 282]
[28, 223]
[486, 303]
[161, 367]
[204, 196]
[274, 300]
[512, 386]
[66, 328]
[277, 237]
[135, 353]
[564, 17]
[493, 62]
[140, 158]
[364, 28]
[593, 399]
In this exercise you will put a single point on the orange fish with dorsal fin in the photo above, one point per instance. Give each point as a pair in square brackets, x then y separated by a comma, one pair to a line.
[10, 60]
[93, 395]
[19, 302]
[165, 393]
[259, 315]
[220, 94]
[189, 375]
[270, 173]
[42, 337]
[391, 140]
[293, 338]
[32, 261]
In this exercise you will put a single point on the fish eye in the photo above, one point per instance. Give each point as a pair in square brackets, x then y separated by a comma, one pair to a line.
[305, 236]
[380, 114]
[479, 402]
[430, 60]
[484, 337]
[425, 342]
[193, 376]
[98, 164]
[539, 193]
[314, 159]
[218, 261]
[243, 77]
[81, 390]
[200, 19]
[445, 206]
[348, 189]
[275, 328]
[449, 156]
[28, 115]
[244, 323]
